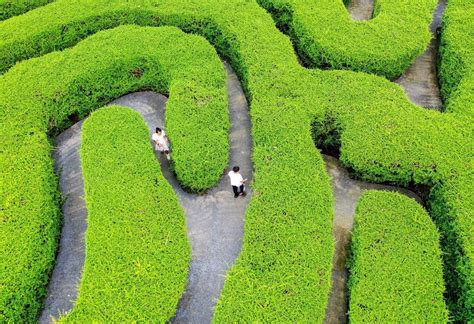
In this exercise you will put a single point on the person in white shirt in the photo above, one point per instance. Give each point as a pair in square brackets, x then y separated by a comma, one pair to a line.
[161, 142]
[237, 182]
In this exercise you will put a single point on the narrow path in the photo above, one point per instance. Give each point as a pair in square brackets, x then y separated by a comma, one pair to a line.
[346, 193]
[66, 276]
[361, 9]
[215, 221]
[420, 80]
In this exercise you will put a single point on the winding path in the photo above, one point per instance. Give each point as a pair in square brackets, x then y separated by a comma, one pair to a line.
[346, 192]
[215, 221]
[421, 86]
[420, 80]
[63, 284]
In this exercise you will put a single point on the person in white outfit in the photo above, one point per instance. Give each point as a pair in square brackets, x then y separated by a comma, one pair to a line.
[237, 182]
[161, 142]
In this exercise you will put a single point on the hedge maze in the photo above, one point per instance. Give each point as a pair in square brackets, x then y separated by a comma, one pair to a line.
[69, 58]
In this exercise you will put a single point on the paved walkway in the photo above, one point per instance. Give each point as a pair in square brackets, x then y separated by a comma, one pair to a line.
[346, 192]
[420, 80]
[215, 221]
[62, 288]
[361, 9]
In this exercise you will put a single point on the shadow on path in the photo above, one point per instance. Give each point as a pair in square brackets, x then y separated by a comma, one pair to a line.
[215, 221]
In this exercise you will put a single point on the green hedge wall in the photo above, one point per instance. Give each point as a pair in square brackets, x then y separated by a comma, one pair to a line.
[137, 249]
[40, 94]
[454, 219]
[386, 45]
[30, 222]
[404, 145]
[456, 70]
[310, 203]
[382, 137]
[395, 267]
[10, 8]
[454, 215]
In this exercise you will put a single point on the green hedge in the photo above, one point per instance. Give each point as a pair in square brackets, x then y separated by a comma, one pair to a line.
[382, 137]
[136, 243]
[456, 70]
[455, 215]
[385, 45]
[40, 94]
[404, 145]
[30, 222]
[10, 8]
[395, 266]
[309, 211]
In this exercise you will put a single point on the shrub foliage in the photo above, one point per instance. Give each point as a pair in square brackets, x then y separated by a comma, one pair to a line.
[456, 70]
[136, 242]
[385, 45]
[10, 8]
[40, 94]
[382, 136]
[395, 268]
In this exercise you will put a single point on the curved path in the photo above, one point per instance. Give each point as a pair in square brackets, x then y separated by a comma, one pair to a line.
[346, 192]
[63, 284]
[421, 85]
[420, 80]
[215, 221]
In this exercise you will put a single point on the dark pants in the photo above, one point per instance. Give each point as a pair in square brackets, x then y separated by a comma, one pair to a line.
[237, 190]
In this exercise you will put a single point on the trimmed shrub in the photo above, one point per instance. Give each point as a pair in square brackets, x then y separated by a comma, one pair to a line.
[382, 136]
[395, 267]
[385, 45]
[10, 8]
[404, 145]
[454, 219]
[40, 94]
[30, 222]
[136, 243]
[456, 70]
[284, 270]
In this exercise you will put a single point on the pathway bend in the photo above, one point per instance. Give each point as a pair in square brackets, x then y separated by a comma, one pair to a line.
[215, 221]
[67, 272]
[346, 192]
[420, 80]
